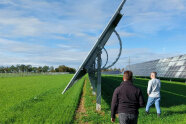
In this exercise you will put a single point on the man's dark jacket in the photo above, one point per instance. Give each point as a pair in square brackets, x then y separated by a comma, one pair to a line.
[126, 99]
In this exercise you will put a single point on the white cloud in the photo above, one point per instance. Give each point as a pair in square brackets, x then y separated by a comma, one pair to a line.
[126, 34]
[19, 47]
[171, 5]
[48, 18]
[150, 17]
[138, 55]
[78, 24]
[14, 52]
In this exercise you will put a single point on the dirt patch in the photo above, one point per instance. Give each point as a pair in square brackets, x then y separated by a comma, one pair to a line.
[81, 111]
[81, 107]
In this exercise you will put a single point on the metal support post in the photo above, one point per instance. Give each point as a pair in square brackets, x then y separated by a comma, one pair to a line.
[93, 82]
[98, 99]
[92, 77]
[93, 87]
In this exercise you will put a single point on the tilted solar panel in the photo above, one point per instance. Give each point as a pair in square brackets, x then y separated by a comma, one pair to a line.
[105, 35]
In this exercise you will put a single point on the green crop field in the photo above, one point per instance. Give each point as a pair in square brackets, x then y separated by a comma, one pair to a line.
[173, 102]
[38, 99]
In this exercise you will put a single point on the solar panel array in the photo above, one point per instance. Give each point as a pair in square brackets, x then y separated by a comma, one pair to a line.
[173, 67]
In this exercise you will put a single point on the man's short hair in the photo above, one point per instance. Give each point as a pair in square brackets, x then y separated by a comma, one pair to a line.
[155, 73]
[127, 75]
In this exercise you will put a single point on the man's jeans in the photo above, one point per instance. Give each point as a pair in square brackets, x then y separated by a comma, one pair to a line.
[152, 100]
[125, 118]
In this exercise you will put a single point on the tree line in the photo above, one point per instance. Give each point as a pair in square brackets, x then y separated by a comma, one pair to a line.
[29, 68]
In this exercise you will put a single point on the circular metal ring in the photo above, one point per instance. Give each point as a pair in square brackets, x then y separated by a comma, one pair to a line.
[106, 57]
[119, 54]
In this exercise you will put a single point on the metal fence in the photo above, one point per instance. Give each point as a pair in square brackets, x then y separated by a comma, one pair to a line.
[173, 67]
[30, 74]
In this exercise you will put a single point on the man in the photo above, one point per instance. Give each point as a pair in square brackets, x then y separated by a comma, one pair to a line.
[153, 92]
[126, 101]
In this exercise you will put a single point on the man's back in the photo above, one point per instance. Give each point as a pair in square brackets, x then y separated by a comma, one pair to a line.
[126, 101]
[154, 86]
[129, 98]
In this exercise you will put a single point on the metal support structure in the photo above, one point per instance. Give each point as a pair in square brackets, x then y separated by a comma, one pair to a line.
[92, 63]
[93, 83]
[118, 56]
[92, 77]
[98, 94]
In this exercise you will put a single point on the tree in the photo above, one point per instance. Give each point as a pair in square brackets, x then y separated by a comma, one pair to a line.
[39, 69]
[2, 69]
[12, 69]
[63, 68]
[29, 68]
[56, 69]
[45, 68]
[7, 70]
[34, 69]
[51, 69]
[18, 69]
[22, 68]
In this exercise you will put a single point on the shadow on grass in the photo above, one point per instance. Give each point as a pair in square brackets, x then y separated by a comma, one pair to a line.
[171, 94]
[169, 113]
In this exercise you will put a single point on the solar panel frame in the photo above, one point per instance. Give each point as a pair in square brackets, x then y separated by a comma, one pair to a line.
[98, 45]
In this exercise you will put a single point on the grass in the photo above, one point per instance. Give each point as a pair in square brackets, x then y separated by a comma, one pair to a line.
[38, 99]
[173, 102]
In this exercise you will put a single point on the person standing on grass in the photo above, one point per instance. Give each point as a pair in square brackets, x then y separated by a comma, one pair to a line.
[126, 101]
[153, 91]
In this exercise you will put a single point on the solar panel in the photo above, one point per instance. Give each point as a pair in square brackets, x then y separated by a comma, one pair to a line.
[92, 63]
[90, 59]
[173, 67]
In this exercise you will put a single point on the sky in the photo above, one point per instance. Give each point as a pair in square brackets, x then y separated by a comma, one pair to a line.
[62, 32]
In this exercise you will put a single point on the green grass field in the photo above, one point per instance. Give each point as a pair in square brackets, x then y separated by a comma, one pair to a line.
[173, 102]
[38, 99]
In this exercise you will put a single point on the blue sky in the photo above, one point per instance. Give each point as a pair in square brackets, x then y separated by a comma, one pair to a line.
[62, 32]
